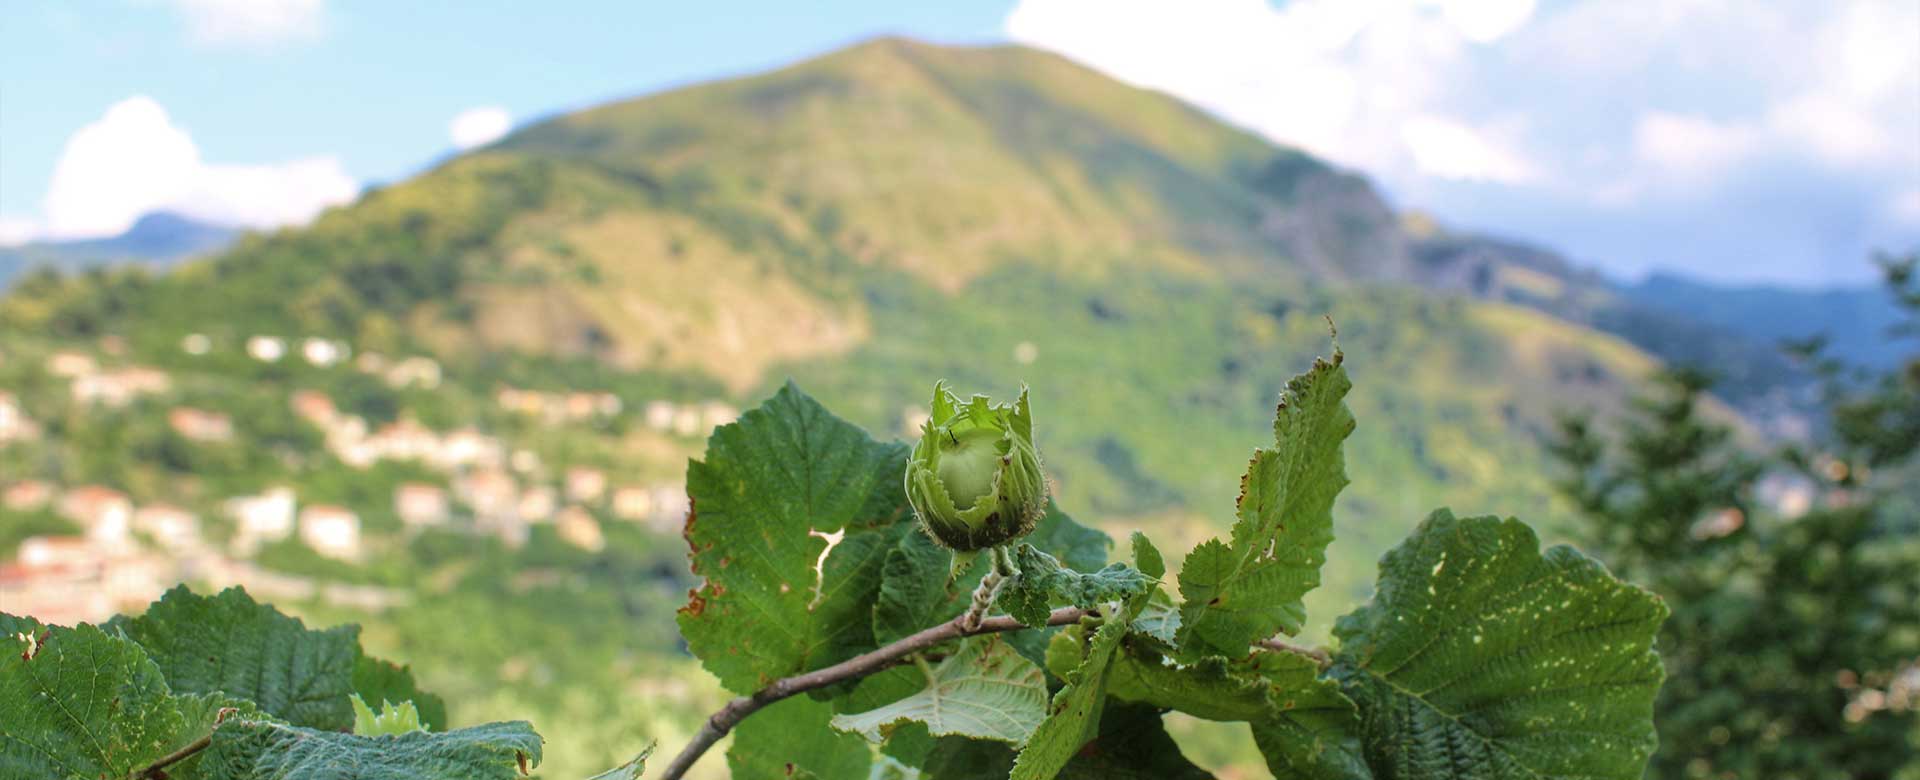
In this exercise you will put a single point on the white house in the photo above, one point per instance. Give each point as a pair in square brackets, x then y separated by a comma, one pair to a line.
[419, 504]
[405, 439]
[27, 495]
[670, 507]
[266, 349]
[686, 421]
[492, 493]
[314, 407]
[174, 528]
[267, 517]
[578, 528]
[585, 485]
[70, 364]
[200, 425]
[118, 388]
[632, 502]
[15, 425]
[660, 415]
[514, 399]
[105, 513]
[51, 552]
[331, 531]
[468, 447]
[537, 503]
[582, 405]
[322, 352]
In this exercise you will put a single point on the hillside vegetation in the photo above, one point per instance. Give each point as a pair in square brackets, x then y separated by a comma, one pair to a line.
[838, 215]
[868, 223]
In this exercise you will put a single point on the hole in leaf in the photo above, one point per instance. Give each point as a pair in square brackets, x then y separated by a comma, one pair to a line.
[820, 564]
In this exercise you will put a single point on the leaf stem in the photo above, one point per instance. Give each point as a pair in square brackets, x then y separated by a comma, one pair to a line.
[1319, 655]
[999, 564]
[859, 666]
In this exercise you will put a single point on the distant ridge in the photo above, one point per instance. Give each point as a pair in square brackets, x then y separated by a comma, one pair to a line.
[158, 238]
[1856, 320]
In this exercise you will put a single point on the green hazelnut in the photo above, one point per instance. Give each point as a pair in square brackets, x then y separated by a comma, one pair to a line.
[974, 479]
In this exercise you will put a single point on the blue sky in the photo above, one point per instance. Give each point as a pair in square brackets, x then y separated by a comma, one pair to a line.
[1776, 142]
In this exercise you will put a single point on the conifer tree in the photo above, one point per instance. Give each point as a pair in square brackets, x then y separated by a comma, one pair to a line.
[1795, 631]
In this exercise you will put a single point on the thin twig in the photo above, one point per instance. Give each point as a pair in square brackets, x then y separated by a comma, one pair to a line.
[177, 756]
[859, 666]
[1318, 654]
[152, 772]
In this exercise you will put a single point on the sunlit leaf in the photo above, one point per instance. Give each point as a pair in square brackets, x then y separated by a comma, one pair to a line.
[772, 486]
[230, 644]
[1241, 592]
[1480, 657]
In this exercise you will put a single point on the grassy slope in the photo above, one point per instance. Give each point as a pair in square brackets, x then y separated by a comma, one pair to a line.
[952, 203]
[1151, 392]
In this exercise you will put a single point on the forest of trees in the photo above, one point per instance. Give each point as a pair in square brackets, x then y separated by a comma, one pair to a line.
[1793, 650]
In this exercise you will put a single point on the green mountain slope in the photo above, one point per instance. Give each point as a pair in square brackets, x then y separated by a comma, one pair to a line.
[868, 223]
[897, 212]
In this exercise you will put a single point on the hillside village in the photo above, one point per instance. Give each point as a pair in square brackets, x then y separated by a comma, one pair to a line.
[124, 549]
[115, 548]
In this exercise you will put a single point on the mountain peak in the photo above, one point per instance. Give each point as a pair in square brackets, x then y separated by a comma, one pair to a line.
[174, 230]
[158, 237]
[727, 227]
[946, 161]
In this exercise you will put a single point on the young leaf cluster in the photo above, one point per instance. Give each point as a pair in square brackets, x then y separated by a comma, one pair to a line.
[1480, 656]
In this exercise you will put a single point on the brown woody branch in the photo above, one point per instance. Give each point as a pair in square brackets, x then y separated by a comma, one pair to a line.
[854, 668]
[1319, 655]
[154, 771]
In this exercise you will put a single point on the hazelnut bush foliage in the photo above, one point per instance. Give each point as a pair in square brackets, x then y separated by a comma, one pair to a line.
[1481, 655]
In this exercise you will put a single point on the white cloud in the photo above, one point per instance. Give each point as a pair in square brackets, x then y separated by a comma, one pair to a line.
[1872, 52]
[1485, 21]
[252, 22]
[116, 168]
[1831, 129]
[479, 126]
[15, 231]
[1579, 121]
[134, 160]
[1692, 145]
[1361, 82]
[288, 193]
[1905, 207]
[1448, 149]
